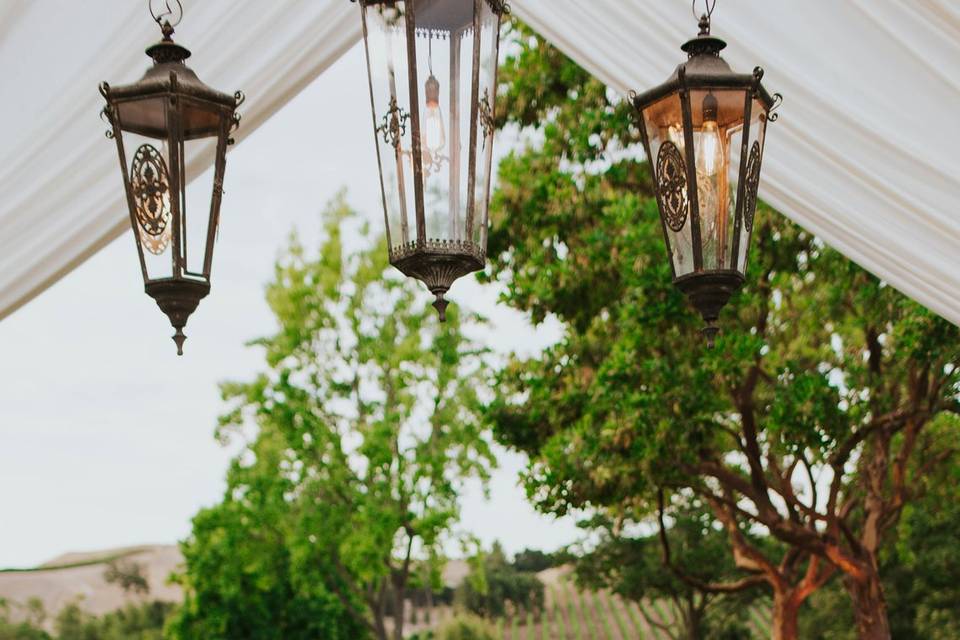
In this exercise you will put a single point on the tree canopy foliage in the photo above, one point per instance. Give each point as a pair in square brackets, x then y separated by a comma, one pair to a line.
[632, 566]
[359, 435]
[802, 422]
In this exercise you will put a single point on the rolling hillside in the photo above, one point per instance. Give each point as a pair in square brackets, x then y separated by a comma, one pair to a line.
[571, 614]
[78, 577]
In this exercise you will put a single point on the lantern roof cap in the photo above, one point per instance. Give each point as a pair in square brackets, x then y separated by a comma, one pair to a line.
[705, 69]
[170, 75]
[167, 50]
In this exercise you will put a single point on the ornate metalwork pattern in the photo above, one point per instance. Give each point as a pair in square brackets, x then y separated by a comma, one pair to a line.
[150, 185]
[777, 101]
[439, 247]
[432, 162]
[753, 183]
[499, 7]
[394, 125]
[672, 185]
[486, 116]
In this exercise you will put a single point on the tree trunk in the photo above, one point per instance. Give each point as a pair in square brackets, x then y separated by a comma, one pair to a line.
[694, 626]
[786, 613]
[380, 614]
[869, 607]
[399, 611]
[692, 619]
[380, 629]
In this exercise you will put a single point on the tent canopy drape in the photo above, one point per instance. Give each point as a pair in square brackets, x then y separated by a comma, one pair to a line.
[866, 154]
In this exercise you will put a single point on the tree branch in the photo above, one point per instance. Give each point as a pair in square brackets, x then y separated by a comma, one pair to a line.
[696, 583]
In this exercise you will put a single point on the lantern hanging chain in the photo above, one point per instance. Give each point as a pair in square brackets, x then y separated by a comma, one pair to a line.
[168, 17]
[704, 18]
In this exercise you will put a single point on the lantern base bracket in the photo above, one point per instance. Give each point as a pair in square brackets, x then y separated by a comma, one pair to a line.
[438, 270]
[709, 292]
[178, 299]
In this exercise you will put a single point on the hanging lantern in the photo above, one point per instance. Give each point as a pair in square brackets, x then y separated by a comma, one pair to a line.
[704, 130]
[165, 125]
[433, 81]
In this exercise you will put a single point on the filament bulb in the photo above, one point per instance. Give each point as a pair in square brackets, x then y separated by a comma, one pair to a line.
[709, 149]
[434, 133]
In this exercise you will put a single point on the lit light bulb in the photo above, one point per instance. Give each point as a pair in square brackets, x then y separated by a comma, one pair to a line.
[708, 151]
[434, 133]
[710, 175]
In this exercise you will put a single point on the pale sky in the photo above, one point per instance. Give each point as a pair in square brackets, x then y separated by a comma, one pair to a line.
[106, 436]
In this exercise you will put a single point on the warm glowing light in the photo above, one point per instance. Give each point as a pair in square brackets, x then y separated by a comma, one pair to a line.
[708, 152]
[709, 149]
[434, 133]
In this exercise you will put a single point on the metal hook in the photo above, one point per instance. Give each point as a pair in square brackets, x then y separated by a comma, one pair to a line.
[710, 6]
[165, 15]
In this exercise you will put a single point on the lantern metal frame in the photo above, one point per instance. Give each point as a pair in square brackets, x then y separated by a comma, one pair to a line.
[171, 105]
[708, 289]
[436, 262]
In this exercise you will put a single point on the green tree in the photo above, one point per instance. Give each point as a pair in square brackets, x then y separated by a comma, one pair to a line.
[496, 588]
[632, 566]
[128, 575]
[801, 422]
[365, 424]
[144, 621]
[240, 579]
[23, 630]
[535, 560]
[465, 627]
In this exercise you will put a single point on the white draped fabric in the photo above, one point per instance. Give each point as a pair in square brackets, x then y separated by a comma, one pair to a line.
[866, 153]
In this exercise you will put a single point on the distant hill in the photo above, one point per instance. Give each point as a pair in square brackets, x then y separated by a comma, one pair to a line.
[74, 577]
[571, 614]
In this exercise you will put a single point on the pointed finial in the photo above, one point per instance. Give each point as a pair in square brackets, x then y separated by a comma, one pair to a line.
[167, 29]
[179, 337]
[710, 332]
[704, 25]
[440, 304]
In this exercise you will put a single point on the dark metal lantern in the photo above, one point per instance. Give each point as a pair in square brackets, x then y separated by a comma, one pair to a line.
[165, 125]
[704, 130]
[433, 82]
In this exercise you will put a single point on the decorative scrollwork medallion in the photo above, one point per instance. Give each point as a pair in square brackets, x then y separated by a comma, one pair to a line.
[394, 125]
[672, 185]
[750, 190]
[150, 184]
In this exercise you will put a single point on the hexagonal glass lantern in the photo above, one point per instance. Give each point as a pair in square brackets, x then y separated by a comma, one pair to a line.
[165, 125]
[704, 130]
[433, 82]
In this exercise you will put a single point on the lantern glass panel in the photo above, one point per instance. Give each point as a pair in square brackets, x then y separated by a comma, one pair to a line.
[663, 122]
[385, 26]
[444, 46]
[717, 119]
[196, 223]
[462, 47]
[151, 189]
[486, 95]
[751, 176]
